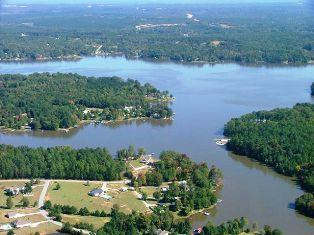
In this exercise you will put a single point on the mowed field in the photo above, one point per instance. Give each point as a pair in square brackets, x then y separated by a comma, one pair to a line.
[46, 228]
[76, 194]
[97, 222]
[16, 199]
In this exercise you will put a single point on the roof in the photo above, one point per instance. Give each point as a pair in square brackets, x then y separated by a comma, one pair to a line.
[96, 191]
[20, 223]
[11, 214]
[162, 232]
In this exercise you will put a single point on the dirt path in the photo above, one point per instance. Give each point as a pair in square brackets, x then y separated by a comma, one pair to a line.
[43, 194]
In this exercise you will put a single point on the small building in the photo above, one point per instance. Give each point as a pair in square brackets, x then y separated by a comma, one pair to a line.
[13, 215]
[147, 159]
[106, 196]
[21, 224]
[123, 189]
[13, 191]
[165, 188]
[162, 232]
[198, 231]
[5, 227]
[96, 192]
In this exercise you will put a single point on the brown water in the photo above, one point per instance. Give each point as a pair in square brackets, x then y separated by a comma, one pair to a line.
[206, 98]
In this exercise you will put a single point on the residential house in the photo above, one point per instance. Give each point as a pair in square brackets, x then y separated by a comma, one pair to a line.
[96, 192]
[13, 215]
[21, 224]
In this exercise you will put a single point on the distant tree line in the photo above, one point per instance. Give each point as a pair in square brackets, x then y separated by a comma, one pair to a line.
[280, 138]
[51, 101]
[246, 34]
[59, 163]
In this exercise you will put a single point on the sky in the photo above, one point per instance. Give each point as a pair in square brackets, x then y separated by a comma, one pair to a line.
[136, 1]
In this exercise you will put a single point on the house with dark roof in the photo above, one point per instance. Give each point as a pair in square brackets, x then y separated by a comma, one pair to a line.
[96, 192]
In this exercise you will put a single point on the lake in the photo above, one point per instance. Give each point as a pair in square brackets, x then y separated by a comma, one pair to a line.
[207, 96]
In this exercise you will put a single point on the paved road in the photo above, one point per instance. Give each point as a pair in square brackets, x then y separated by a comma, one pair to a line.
[43, 194]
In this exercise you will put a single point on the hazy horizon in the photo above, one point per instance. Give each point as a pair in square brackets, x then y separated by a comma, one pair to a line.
[142, 1]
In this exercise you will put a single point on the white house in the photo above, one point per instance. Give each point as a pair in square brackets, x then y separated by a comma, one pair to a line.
[14, 215]
[21, 224]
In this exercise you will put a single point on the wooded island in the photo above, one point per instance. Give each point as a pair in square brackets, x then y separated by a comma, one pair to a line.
[52, 101]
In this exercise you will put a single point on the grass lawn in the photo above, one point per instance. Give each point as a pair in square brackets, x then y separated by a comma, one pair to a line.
[4, 219]
[149, 190]
[136, 163]
[98, 222]
[128, 202]
[75, 194]
[16, 199]
[46, 228]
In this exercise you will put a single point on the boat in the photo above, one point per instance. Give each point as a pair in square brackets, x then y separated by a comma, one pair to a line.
[206, 213]
[222, 141]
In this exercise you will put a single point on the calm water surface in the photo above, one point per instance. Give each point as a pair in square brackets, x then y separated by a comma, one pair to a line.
[206, 97]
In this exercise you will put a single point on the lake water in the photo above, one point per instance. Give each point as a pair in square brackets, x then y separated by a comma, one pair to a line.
[207, 96]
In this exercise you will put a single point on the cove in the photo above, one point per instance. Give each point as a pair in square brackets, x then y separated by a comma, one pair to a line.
[207, 96]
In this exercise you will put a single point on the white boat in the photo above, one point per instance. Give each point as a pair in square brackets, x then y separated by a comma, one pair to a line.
[222, 142]
[206, 213]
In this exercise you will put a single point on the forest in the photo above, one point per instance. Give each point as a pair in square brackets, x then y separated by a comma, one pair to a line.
[280, 138]
[185, 33]
[52, 101]
[121, 224]
[58, 163]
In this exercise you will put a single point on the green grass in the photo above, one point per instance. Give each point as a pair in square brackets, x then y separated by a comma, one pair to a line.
[149, 190]
[97, 222]
[75, 194]
[127, 202]
[46, 228]
[16, 199]
[136, 163]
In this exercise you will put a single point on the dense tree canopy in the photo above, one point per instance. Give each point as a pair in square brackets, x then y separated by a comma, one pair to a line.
[52, 101]
[192, 184]
[281, 138]
[212, 33]
[58, 163]
[305, 204]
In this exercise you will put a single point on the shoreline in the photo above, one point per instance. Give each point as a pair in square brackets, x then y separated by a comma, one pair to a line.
[4, 130]
[163, 60]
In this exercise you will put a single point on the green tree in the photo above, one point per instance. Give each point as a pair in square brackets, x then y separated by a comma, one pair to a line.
[25, 202]
[157, 195]
[144, 196]
[57, 186]
[9, 202]
[11, 232]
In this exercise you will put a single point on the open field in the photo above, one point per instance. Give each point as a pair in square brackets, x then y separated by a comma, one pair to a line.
[16, 199]
[149, 190]
[127, 202]
[76, 194]
[32, 218]
[136, 163]
[97, 222]
[46, 228]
